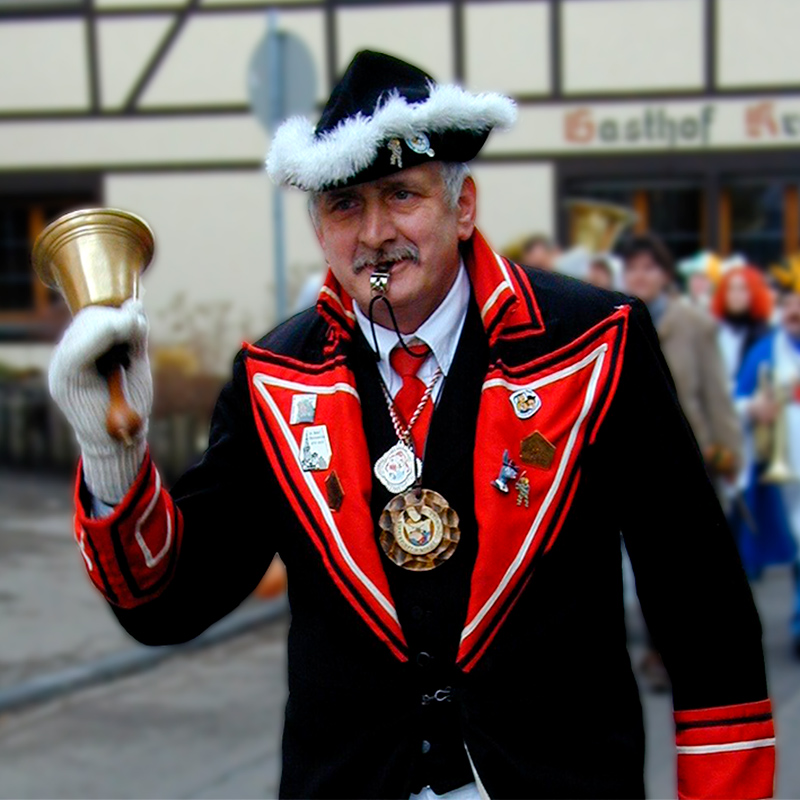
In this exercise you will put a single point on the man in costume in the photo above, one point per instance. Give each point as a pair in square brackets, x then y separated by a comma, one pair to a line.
[768, 387]
[443, 452]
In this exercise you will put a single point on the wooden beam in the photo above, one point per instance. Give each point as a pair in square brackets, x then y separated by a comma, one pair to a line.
[36, 224]
[791, 219]
[641, 205]
[724, 216]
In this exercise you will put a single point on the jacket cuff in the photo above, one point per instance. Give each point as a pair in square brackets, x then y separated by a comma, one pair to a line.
[130, 555]
[727, 751]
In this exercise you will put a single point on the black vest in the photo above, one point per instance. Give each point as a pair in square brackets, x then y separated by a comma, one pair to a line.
[432, 605]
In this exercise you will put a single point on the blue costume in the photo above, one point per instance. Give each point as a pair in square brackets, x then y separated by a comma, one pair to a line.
[767, 537]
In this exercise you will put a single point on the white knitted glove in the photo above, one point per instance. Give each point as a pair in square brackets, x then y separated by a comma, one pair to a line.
[110, 467]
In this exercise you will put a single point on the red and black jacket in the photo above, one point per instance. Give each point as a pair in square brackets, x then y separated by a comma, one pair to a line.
[392, 672]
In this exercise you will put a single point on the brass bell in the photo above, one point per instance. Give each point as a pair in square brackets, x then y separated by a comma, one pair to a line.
[96, 256]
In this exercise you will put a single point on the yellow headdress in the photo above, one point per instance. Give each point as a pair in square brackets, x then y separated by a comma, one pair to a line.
[787, 273]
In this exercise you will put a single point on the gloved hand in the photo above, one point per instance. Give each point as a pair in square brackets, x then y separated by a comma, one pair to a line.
[110, 467]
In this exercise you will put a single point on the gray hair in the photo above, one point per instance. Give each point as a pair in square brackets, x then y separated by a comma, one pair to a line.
[454, 173]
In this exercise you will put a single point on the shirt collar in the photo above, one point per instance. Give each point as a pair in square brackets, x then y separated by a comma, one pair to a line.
[440, 331]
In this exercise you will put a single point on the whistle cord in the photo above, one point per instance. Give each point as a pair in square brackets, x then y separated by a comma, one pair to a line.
[400, 339]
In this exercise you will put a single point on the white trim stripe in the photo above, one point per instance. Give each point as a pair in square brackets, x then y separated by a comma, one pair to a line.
[498, 290]
[502, 265]
[493, 298]
[321, 503]
[597, 355]
[306, 388]
[149, 559]
[726, 747]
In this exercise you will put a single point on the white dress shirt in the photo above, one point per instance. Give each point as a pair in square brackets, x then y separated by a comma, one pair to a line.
[441, 332]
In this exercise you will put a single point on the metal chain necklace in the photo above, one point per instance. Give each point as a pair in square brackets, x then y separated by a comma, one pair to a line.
[418, 529]
[404, 434]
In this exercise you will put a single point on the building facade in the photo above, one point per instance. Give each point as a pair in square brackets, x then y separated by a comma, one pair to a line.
[686, 110]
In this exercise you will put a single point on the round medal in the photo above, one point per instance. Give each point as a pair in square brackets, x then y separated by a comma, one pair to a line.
[419, 530]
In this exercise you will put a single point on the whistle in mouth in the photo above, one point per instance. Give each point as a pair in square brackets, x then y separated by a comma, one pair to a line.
[379, 282]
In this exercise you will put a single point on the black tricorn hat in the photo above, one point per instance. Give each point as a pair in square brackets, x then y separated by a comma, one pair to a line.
[383, 116]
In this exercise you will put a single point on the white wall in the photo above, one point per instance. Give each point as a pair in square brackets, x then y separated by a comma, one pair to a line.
[124, 48]
[109, 143]
[420, 34]
[514, 200]
[43, 65]
[507, 47]
[210, 60]
[628, 45]
[758, 42]
[212, 244]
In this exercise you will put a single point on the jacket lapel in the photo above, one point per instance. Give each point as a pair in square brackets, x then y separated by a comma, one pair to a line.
[542, 413]
[343, 535]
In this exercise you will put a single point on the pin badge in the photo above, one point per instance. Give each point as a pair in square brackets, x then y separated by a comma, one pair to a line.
[420, 143]
[396, 149]
[397, 468]
[304, 409]
[523, 487]
[335, 492]
[508, 472]
[525, 402]
[536, 451]
[315, 449]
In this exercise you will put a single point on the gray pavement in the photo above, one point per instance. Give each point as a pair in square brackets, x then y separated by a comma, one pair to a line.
[203, 725]
[51, 617]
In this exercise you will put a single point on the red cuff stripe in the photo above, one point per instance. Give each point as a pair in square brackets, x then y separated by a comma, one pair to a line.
[728, 751]
[721, 713]
[130, 555]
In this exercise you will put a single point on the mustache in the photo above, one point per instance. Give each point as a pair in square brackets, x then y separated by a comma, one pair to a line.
[385, 257]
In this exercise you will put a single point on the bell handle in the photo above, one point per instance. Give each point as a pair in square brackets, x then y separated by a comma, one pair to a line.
[122, 422]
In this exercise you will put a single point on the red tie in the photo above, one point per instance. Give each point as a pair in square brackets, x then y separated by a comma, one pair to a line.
[411, 392]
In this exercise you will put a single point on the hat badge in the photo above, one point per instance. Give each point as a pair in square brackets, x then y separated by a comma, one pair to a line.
[525, 402]
[396, 149]
[420, 143]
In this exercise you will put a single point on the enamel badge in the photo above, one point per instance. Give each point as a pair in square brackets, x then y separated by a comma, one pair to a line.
[420, 143]
[396, 469]
[536, 451]
[525, 402]
[304, 409]
[315, 449]
[396, 149]
[335, 492]
[508, 472]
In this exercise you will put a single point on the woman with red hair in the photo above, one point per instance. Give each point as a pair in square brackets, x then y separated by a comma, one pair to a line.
[743, 305]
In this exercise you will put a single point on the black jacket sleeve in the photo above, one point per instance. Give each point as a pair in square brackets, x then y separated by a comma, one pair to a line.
[691, 585]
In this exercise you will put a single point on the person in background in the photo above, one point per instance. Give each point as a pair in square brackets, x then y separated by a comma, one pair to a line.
[702, 273]
[605, 272]
[743, 305]
[688, 338]
[539, 251]
[768, 387]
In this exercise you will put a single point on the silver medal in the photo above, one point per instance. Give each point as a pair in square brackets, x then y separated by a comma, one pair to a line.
[396, 469]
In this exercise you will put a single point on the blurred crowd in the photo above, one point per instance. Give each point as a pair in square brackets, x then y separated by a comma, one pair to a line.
[729, 330]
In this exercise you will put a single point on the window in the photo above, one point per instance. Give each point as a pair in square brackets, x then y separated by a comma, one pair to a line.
[671, 209]
[28, 309]
[755, 225]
